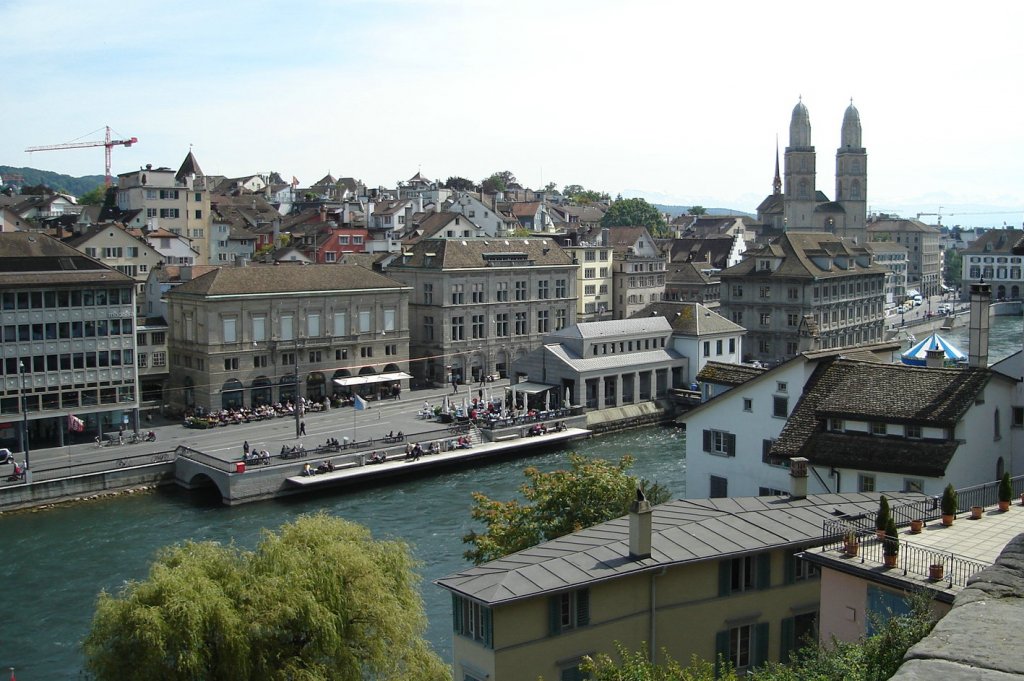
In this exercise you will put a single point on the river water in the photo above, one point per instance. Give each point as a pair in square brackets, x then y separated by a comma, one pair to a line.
[56, 560]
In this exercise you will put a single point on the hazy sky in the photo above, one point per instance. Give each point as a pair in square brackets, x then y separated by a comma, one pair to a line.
[675, 101]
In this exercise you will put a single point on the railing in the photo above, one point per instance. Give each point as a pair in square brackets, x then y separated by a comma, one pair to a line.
[56, 469]
[550, 415]
[204, 459]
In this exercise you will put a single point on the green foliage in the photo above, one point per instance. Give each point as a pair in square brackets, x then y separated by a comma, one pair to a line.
[497, 182]
[580, 196]
[459, 184]
[634, 213]
[953, 267]
[883, 513]
[891, 545]
[556, 503]
[320, 600]
[1005, 488]
[94, 197]
[949, 501]
[66, 184]
[697, 210]
[634, 666]
[521, 232]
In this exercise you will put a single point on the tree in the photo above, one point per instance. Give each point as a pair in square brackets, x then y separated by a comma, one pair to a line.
[578, 195]
[557, 503]
[319, 600]
[697, 210]
[459, 184]
[954, 267]
[634, 213]
[93, 197]
[551, 187]
[498, 182]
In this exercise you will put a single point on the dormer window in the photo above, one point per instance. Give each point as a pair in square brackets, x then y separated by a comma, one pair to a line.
[764, 265]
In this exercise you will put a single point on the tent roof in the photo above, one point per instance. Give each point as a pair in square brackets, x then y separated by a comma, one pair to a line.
[917, 355]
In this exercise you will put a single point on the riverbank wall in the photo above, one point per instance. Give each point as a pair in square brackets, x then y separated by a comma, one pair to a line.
[85, 486]
[631, 416]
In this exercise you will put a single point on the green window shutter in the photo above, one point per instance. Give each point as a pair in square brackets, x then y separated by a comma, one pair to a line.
[787, 643]
[456, 614]
[707, 440]
[488, 628]
[764, 571]
[730, 444]
[583, 607]
[721, 651]
[554, 615]
[760, 644]
[724, 577]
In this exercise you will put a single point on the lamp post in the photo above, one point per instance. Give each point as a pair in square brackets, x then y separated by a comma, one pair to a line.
[298, 402]
[24, 414]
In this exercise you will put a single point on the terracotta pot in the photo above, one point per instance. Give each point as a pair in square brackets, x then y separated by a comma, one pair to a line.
[1022, 499]
[890, 561]
[936, 571]
[947, 520]
[916, 526]
[1004, 506]
[851, 548]
[976, 512]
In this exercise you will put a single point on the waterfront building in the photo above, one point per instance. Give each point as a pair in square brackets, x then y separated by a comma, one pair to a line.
[893, 257]
[594, 283]
[68, 347]
[924, 257]
[703, 577]
[479, 303]
[638, 270]
[805, 289]
[997, 256]
[259, 334]
[176, 201]
[115, 247]
[702, 335]
[603, 365]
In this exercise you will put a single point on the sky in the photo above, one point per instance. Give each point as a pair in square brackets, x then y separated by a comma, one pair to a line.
[677, 102]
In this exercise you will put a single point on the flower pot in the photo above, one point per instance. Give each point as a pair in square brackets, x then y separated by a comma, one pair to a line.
[890, 561]
[947, 520]
[935, 571]
[1022, 499]
[851, 548]
[916, 526]
[1004, 506]
[976, 512]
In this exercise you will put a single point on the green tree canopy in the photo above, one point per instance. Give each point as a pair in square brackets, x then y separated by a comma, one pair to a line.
[697, 210]
[459, 184]
[954, 267]
[497, 182]
[634, 213]
[578, 195]
[93, 197]
[320, 600]
[557, 503]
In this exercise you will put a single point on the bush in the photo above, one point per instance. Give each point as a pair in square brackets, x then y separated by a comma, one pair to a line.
[891, 545]
[883, 513]
[948, 503]
[1005, 488]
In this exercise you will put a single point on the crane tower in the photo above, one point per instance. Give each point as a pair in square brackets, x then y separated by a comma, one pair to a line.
[107, 143]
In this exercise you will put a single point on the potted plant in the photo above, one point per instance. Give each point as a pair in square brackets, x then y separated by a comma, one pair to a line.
[882, 518]
[936, 571]
[948, 505]
[850, 542]
[891, 544]
[916, 526]
[976, 512]
[1005, 492]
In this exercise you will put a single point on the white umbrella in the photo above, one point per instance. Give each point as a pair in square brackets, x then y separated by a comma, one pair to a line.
[565, 402]
[547, 400]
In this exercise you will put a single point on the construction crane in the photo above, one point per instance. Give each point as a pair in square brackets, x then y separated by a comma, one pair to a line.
[107, 143]
[938, 215]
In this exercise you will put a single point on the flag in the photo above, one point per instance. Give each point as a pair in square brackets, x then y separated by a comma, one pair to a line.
[360, 403]
[75, 424]
[295, 182]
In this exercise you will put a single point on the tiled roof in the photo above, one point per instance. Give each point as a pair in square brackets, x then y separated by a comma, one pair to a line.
[866, 391]
[721, 373]
[683, 531]
[617, 360]
[697, 320]
[689, 273]
[29, 259]
[897, 455]
[996, 241]
[264, 279]
[712, 250]
[614, 327]
[900, 225]
[796, 250]
[470, 252]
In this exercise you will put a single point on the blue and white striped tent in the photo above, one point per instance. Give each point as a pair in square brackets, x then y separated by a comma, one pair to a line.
[916, 356]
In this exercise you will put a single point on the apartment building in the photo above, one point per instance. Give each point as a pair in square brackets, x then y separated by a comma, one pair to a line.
[924, 257]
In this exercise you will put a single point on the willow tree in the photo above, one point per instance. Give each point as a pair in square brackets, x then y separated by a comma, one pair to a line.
[319, 600]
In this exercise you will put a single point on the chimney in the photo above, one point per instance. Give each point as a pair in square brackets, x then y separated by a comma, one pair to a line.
[798, 477]
[185, 273]
[935, 358]
[977, 346]
[640, 527]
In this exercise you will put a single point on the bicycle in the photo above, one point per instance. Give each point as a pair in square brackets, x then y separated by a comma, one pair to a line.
[121, 463]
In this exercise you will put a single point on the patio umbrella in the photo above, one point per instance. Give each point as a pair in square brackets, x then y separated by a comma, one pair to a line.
[547, 400]
[565, 402]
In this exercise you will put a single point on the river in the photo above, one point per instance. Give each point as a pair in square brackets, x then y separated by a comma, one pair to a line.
[56, 560]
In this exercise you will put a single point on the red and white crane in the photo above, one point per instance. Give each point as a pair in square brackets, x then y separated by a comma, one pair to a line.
[107, 143]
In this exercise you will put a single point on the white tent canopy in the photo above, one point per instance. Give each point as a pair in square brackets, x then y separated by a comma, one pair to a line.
[371, 378]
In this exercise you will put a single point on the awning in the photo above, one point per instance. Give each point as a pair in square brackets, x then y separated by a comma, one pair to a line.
[372, 378]
[531, 388]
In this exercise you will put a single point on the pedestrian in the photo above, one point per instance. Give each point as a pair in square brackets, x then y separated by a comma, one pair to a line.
[302, 428]
[245, 449]
[398, 391]
[455, 385]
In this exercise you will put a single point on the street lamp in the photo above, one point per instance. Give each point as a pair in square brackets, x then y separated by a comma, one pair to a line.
[24, 414]
[298, 402]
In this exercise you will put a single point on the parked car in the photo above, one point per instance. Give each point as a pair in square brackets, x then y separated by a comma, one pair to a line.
[6, 456]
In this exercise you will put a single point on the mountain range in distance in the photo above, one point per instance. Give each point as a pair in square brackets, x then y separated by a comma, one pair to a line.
[64, 184]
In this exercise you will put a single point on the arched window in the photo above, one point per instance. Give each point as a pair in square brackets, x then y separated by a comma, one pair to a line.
[803, 191]
[1000, 467]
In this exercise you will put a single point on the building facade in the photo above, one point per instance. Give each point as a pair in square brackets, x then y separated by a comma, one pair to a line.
[594, 282]
[263, 334]
[893, 257]
[924, 257]
[68, 325]
[804, 290]
[997, 256]
[638, 270]
[478, 304]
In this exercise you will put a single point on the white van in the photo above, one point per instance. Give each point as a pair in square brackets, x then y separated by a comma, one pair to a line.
[918, 300]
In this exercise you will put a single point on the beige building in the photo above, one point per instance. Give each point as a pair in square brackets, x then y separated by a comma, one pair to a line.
[693, 577]
[638, 270]
[241, 335]
[123, 251]
[806, 288]
[924, 257]
[893, 257]
[479, 303]
[594, 281]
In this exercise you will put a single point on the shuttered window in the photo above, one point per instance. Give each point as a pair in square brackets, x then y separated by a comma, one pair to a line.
[472, 620]
[719, 442]
[568, 611]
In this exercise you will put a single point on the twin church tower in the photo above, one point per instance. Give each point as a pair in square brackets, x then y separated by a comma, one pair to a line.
[797, 205]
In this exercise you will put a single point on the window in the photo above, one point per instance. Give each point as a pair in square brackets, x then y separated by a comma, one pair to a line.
[569, 611]
[748, 404]
[478, 326]
[719, 442]
[543, 325]
[766, 454]
[766, 318]
[159, 359]
[501, 294]
[780, 406]
[259, 328]
[143, 360]
[315, 356]
[732, 346]
[477, 295]
[389, 319]
[742, 574]
[364, 321]
[501, 324]
[865, 482]
[472, 620]
[781, 386]
[287, 329]
[168, 193]
[230, 335]
[428, 294]
[560, 288]
[745, 647]
[260, 361]
[458, 294]
[707, 349]
[560, 317]
[169, 212]
[1017, 417]
[718, 488]
[521, 290]
[589, 289]
[589, 273]
[912, 431]
[877, 428]
[366, 351]
[522, 324]
[793, 293]
[737, 290]
[765, 292]
[792, 319]
[458, 328]
[542, 289]
[836, 425]
[230, 364]
[288, 358]
[313, 324]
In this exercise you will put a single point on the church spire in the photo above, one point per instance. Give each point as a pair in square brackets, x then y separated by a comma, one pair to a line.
[777, 182]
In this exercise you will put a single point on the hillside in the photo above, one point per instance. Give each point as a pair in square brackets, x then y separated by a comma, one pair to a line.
[65, 184]
[681, 210]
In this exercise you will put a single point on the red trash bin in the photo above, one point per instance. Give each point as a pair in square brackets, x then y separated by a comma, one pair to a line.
[239, 466]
